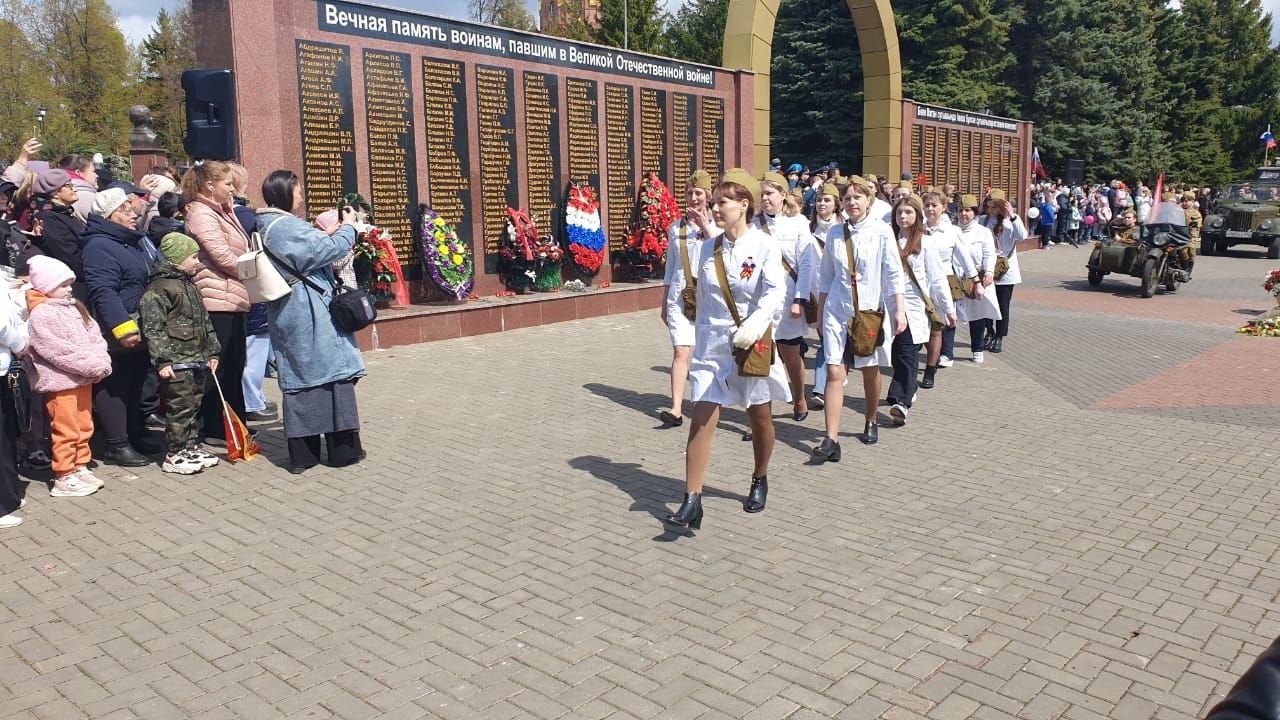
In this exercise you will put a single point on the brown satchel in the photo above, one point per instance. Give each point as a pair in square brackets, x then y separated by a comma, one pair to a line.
[961, 288]
[690, 293]
[1002, 266]
[756, 360]
[810, 309]
[866, 327]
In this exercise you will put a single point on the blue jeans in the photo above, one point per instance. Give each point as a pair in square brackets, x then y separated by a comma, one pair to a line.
[820, 371]
[949, 342]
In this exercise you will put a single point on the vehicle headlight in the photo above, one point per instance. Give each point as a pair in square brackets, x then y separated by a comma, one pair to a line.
[1265, 226]
[1217, 223]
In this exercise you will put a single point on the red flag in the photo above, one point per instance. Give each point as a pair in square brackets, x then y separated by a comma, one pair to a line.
[1155, 204]
[240, 444]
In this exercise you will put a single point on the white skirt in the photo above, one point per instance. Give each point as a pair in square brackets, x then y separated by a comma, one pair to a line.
[791, 328]
[713, 374]
[681, 330]
[985, 308]
[835, 336]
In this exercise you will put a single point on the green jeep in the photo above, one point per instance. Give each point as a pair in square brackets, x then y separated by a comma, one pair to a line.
[1246, 213]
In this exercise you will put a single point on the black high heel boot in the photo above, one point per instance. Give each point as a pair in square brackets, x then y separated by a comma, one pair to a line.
[690, 512]
[998, 345]
[929, 372]
[758, 496]
[871, 433]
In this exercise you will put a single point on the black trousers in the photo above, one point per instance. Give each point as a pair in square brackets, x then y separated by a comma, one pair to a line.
[9, 486]
[118, 398]
[905, 358]
[978, 335]
[343, 446]
[229, 327]
[1004, 295]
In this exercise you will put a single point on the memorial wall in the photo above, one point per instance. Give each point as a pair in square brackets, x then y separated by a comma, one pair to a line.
[407, 108]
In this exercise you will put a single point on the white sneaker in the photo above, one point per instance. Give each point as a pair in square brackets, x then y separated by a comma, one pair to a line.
[977, 357]
[181, 464]
[38, 460]
[914, 395]
[10, 520]
[899, 414]
[206, 460]
[1049, 243]
[72, 485]
[90, 478]
[944, 361]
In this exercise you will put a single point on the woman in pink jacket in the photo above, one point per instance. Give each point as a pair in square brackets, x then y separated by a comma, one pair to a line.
[68, 355]
[212, 222]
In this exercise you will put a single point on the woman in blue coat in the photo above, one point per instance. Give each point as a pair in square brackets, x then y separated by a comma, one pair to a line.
[318, 364]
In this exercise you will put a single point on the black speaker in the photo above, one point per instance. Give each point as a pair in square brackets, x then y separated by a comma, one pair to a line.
[211, 114]
[1075, 172]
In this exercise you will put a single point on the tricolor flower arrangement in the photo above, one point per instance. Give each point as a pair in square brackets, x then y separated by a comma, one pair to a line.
[446, 259]
[527, 254]
[646, 245]
[582, 226]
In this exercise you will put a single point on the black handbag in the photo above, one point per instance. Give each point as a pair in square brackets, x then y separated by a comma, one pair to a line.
[351, 310]
[20, 391]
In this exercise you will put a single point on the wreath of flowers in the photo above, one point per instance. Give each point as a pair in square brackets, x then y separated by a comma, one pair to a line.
[378, 267]
[524, 251]
[646, 245]
[582, 226]
[446, 259]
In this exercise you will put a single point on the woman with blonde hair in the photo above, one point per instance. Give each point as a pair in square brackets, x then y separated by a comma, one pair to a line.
[741, 291]
[211, 220]
[826, 215]
[861, 270]
[684, 255]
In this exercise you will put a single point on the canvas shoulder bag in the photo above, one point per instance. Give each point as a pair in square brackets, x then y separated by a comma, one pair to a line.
[690, 293]
[756, 360]
[1002, 260]
[936, 322]
[866, 327]
[261, 279]
[811, 308]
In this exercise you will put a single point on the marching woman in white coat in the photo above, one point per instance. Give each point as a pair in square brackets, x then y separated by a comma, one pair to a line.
[977, 243]
[945, 238]
[684, 244]
[750, 264]
[826, 215]
[1008, 230]
[876, 272]
[800, 260]
[927, 293]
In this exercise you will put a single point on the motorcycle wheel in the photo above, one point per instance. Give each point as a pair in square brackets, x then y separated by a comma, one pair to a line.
[1150, 277]
[1095, 278]
[1171, 285]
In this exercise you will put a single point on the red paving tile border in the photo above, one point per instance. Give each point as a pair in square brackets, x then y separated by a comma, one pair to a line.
[1243, 371]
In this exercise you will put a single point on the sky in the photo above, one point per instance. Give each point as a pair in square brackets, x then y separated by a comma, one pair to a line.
[136, 16]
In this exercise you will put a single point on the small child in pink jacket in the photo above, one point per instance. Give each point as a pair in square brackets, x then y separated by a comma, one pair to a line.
[67, 354]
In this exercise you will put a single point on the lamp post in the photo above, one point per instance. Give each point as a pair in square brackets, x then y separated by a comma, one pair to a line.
[626, 25]
[40, 113]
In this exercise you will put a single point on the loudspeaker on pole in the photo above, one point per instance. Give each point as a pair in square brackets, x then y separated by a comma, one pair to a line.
[1075, 172]
[211, 114]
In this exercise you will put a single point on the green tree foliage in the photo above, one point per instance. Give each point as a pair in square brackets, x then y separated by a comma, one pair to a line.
[24, 82]
[816, 92]
[644, 26]
[165, 54]
[696, 32]
[956, 53]
[505, 13]
[571, 25]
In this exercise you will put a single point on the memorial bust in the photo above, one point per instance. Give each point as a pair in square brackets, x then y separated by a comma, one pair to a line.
[142, 135]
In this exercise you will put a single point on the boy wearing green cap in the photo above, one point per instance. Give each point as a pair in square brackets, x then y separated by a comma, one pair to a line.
[183, 346]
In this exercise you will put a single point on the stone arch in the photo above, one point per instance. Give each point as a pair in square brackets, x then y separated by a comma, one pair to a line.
[748, 45]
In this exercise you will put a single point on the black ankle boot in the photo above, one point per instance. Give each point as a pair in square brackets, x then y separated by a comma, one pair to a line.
[829, 450]
[929, 372]
[991, 342]
[758, 496]
[871, 433]
[998, 345]
[690, 512]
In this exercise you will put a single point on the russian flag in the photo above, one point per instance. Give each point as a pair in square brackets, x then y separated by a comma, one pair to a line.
[1268, 138]
[1036, 167]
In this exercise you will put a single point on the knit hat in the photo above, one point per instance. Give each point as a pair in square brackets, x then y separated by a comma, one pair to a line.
[176, 247]
[48, 181]
[47, 273]
[743, 178]
[776, 179]
[108, 201]
[968, 201]
[161, 183]
[700, 179]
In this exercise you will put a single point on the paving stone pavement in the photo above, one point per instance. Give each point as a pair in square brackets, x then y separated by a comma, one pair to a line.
[1011, 553]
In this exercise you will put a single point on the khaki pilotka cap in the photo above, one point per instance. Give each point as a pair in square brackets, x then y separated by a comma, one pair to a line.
[744, 178]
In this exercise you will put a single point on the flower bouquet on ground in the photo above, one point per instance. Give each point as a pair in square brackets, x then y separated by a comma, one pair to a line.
[1269, 324]
[529, 258]
[446, 259]
[646, 245]
[376, 265]
[584, 234]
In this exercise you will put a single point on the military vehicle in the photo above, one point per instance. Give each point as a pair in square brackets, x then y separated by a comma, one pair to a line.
[1247, 213]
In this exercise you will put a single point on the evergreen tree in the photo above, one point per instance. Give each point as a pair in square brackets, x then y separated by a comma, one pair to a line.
[1189, 61]
[504, 13]
[956, 53]
[165, 54]
[696, 32]
[643, 26]
[816, 92]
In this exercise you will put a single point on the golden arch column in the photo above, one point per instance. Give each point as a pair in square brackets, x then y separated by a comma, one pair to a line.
[748, 45]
